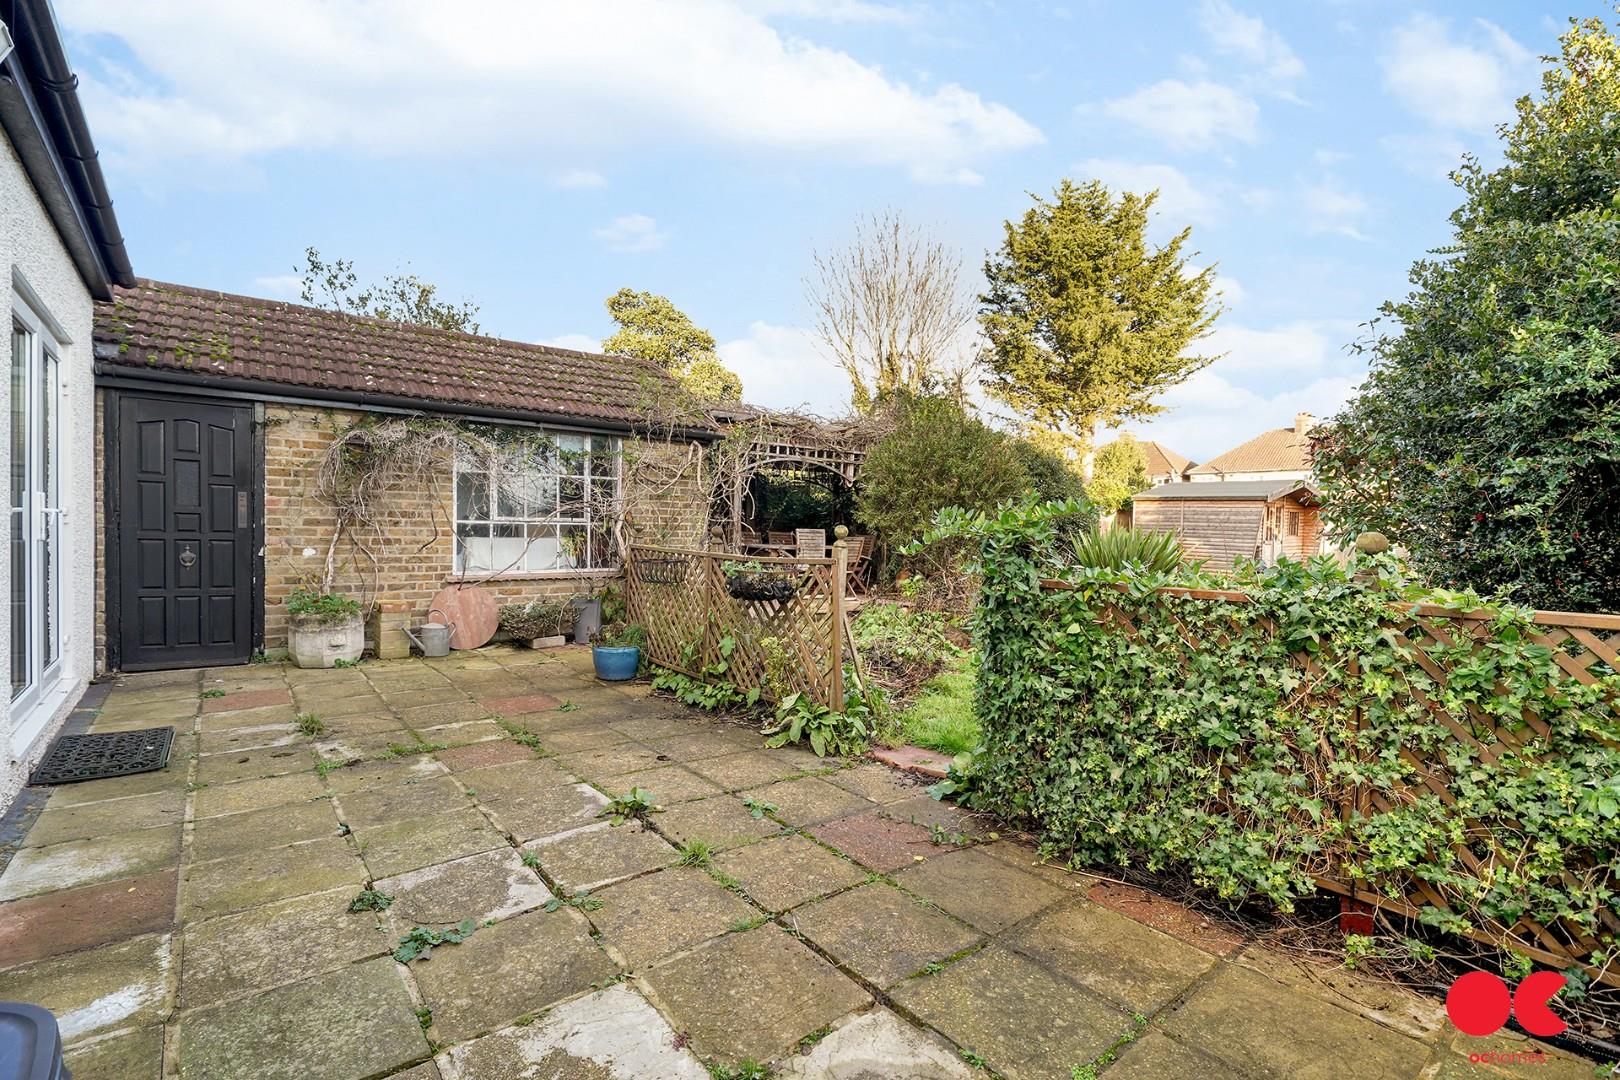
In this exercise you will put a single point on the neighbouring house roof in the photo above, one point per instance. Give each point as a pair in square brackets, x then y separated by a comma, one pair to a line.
[1244, 490]
[1277, 450]
[44, 122]
[180, 334]
[1161, 460]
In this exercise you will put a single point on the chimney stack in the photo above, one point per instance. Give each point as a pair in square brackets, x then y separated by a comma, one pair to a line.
[1303, 422]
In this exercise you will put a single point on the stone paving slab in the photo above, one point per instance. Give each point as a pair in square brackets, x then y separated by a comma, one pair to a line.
[217, 799]
[1024, 1020]
[749, 769]
[601, 854]
[1132, 965]
[612, 1034]
[784, 872]
[135, 1054]
[252, 765]
[274, 826]
[480, 755]
[228, 885]
[751, 996]
[86, 820]
[876, 1045]
[357, 1021]
[650, 917]
[609, 761]
[410, 799]
[721, 821]
[275, 944]
[578, 738]
[878, 842]
[399, 846]
[980, 889]
[370, 774]
[252, 737]
[247, 699]
[85, 862]
[490, 885]
[1302, 1036]
[168, 778]
[1154, 1056]
[670, 784]
[61, 922]
[880, 933]
[98, 990]
[810, 800]
[509, 970]
[536, 810]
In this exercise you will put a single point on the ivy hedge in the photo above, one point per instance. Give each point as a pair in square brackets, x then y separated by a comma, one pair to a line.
[1261, 744]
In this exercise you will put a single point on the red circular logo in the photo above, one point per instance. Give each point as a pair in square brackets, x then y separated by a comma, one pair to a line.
[1479, 1003]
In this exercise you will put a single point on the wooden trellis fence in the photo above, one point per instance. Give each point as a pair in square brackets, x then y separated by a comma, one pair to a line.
[684, 599]
[1437, 641]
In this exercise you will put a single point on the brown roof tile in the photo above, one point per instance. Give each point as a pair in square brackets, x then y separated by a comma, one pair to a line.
[155, 325]
[1161, 460]
[1277, 450]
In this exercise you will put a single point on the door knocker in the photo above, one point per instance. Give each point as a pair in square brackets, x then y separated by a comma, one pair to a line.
[188, 558]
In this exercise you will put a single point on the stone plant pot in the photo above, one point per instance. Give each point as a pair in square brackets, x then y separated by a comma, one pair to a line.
[556, 641]
[312, 643]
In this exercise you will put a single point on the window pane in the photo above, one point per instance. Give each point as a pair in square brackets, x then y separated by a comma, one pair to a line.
[572, 451]
[20, 342]
[506, 548]
[472, 496]
[472, 548]
[602, 554]
[575, 547]
[571, 500]
[542, 553]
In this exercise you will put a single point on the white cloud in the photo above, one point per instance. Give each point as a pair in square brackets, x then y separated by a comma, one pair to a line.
[1189, 116]
[280, 286]
[579, 178]
[843, 11]
[1291, 350]
[577, 342]
[1431, 155]
[781, 368]
[1463, 85]
[632, 232]
[1249, 39]
[1330, 207]
[508, 77]
[1181, 202]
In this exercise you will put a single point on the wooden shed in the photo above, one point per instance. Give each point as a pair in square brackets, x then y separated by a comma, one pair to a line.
[1222, 520]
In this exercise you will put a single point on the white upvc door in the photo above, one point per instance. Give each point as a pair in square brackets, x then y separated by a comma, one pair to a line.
[35, 522]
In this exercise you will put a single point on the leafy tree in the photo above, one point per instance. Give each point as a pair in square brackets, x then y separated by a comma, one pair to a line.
[652, 328]
[402, 298]
[1051, 474]
[891, 310]
[1486, 439]
[1118, 471]
[936, 456]
[1086, 320]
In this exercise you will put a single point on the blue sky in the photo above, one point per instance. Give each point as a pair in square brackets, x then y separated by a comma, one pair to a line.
[535, 157]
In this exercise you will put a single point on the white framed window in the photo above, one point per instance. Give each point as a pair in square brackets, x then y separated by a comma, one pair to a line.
[545, 505]
[35, 521]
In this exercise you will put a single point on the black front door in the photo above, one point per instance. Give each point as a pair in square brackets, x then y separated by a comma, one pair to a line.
[185, 523]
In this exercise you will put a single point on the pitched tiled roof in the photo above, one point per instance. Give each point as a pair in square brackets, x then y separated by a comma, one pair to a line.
[1161, 460]
[1246, 490]
[209, 335]
[1277, 450]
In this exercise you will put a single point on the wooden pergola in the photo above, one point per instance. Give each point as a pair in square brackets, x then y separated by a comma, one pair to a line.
[790, 443]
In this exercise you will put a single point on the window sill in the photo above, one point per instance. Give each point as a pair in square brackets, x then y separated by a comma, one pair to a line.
[532, 575]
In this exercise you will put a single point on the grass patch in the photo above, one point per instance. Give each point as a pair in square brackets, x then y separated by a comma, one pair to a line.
[941, 718]
[310, 725]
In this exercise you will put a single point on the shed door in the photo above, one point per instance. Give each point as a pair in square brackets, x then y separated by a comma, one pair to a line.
[186, 506]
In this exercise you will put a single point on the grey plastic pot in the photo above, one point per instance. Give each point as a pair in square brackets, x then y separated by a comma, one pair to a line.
[587, 618]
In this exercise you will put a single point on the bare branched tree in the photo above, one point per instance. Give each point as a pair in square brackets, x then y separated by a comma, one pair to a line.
[890, 309]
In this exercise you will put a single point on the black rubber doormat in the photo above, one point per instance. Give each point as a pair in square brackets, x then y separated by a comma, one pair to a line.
[72, 758]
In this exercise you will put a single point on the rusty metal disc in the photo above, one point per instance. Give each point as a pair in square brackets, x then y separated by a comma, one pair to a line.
[471, 613]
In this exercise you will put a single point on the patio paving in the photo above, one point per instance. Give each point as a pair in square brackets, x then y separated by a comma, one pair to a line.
[196, 924]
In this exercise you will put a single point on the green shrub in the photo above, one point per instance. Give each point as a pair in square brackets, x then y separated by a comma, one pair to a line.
[311, 606]
[937, 456]
[540, 618]
[1051, 476]
[1126, 549]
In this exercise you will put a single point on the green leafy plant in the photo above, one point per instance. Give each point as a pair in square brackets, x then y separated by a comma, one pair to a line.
[324, 608]
[800, 719]
[696, 853]
[529, 859]
[370, 900]
[340, 663]
[758, 808]
[420, 942]
[541, 618]
[628, 635]
[213, 692]
[582, 900]
[1129, 549]
[310, 725]
[634, 804]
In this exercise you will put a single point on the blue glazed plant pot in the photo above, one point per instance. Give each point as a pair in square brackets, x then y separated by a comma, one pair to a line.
[615, 663]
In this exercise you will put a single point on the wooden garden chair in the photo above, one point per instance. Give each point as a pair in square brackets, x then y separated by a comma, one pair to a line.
[780, 539]
[860, 558]
[812, 543]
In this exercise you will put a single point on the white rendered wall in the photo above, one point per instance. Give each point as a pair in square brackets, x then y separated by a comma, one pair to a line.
[30, 246]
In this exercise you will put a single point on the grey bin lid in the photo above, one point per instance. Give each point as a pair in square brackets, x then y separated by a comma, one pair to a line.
[30, 1045]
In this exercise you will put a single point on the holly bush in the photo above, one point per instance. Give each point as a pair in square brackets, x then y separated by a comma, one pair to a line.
[1261, 744]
